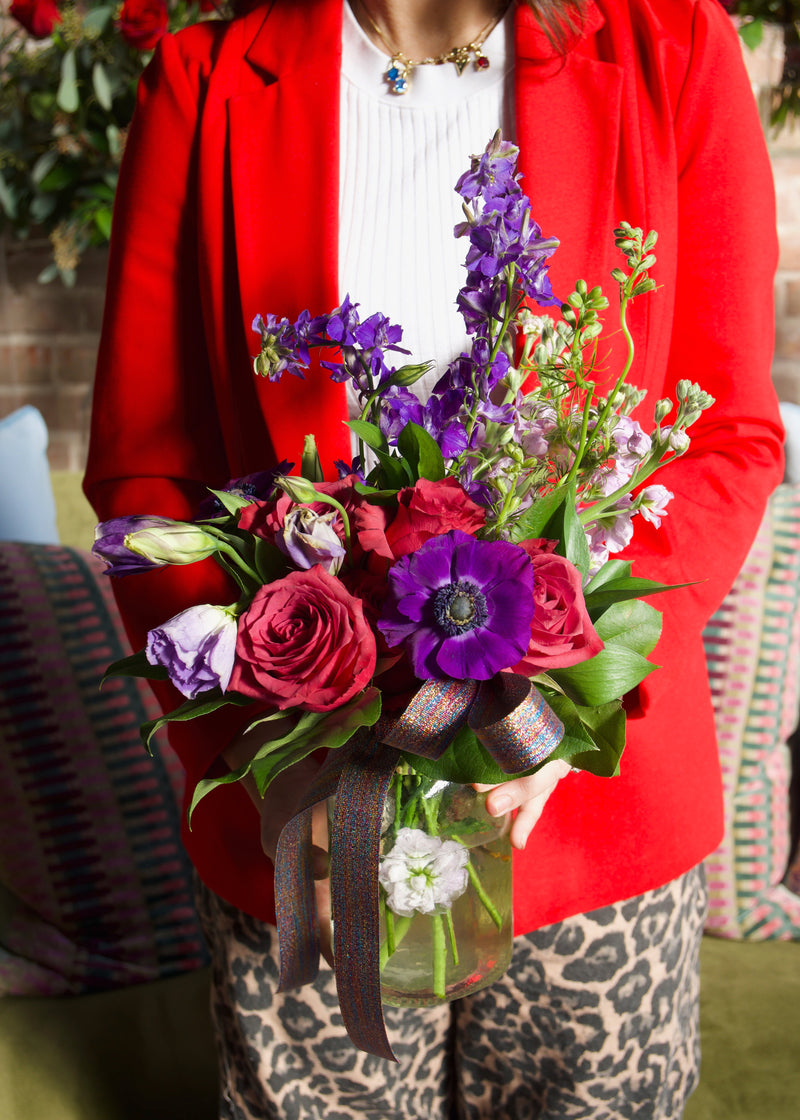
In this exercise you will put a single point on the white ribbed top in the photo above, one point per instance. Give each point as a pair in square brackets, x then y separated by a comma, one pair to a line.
[400, 159]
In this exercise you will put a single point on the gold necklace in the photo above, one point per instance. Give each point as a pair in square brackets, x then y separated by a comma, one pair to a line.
[398, 73]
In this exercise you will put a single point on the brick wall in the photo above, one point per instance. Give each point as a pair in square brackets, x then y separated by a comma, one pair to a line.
[48, 344]
[48, 334]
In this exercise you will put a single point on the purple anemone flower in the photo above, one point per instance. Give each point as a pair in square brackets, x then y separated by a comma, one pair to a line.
[461, 607]
[196, 647]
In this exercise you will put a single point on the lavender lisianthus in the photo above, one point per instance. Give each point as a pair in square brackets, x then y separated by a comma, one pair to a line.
[309, 538]
[196, 647]
[461, 607]
[423, 873]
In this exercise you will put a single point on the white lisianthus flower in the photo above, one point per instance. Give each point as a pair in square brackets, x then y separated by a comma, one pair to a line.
[423, 873]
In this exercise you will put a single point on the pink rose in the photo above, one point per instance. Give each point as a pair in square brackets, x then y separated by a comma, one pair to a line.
[562, 633]
[38, 17]
[428, 509]
[141, 23]
[303, 642]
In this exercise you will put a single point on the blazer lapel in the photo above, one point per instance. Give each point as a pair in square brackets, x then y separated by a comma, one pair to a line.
[284, 173]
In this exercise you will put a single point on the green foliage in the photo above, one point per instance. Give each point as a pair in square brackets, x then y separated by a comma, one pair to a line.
[65, 106]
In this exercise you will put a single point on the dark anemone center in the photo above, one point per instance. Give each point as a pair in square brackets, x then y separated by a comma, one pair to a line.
[459, 607]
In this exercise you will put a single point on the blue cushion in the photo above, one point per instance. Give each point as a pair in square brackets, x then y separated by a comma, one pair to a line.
[27, 508]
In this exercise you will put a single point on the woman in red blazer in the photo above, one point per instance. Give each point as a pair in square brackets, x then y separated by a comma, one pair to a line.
[648, 117]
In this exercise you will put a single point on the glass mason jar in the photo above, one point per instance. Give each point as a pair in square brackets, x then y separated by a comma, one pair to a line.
[445, 891]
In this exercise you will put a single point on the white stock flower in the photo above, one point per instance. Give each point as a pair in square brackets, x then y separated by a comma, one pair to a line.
[423, 873]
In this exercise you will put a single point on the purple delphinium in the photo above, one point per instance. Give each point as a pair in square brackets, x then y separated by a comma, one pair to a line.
[196, 647]
[461, 607]
[279, 351]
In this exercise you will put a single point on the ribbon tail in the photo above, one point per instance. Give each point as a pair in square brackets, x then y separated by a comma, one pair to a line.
[295, 905]
[355, 893]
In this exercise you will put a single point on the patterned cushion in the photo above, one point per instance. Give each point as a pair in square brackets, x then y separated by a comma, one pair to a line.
[95, 887]
[752, 648]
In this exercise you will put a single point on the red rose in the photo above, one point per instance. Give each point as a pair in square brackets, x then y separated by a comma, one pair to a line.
[562, 633]
[141, 23]
[425, 510]
[38, 17]
[303, 642]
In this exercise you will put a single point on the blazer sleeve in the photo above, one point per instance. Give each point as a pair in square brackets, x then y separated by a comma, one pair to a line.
[722, 338]
[155, 442]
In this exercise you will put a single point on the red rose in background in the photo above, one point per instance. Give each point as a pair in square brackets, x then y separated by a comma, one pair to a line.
[425, 510]
[304, 642]
[562, 633]
[141, 23]
[38, 17]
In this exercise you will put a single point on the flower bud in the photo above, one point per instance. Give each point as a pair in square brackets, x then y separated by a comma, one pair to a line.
[299, 489]
[679, 440]
[662, 410]
[172, 542]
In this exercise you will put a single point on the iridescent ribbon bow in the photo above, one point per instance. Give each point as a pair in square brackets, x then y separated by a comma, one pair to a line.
[517, 728]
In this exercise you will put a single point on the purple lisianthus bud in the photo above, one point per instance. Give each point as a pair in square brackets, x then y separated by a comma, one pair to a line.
[165, 541]
[109, 544]
[196, 647]
[309, 538]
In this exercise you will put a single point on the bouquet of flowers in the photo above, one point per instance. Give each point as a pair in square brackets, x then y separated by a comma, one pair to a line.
[448, 611]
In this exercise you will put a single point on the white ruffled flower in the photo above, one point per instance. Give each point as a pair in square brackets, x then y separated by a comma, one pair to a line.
[423, 873]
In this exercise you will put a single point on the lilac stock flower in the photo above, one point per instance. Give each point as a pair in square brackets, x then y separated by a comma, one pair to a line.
[652, 503]
[309, 538]
[423, 873]
[461, 607]
[631, 442]
[196, 647]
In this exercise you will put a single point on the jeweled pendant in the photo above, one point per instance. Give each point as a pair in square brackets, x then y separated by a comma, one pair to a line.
[481, 62]
[397, 76]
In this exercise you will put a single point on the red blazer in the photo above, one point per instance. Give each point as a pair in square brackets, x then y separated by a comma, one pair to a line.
[227, 206]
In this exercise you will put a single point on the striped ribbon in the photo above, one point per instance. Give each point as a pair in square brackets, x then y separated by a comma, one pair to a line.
[517, 728]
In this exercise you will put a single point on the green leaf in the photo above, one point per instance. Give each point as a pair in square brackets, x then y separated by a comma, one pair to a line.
[7, 200]
[606, 724]
[136, 665]
[394, 473]
[60, 176]
[605, 677]
[102, 220]
[752, 33]
[313, 730]
[370, 434]
[67, 97]
[555, 518]
[101, 86]
[619, 589]
[97, 19]
[202, 705]
[48, 274]
[114, 140]
[633, 624]
[43, 165]
[270, 563]
[233, 503]
[422, 452]
[375, 496]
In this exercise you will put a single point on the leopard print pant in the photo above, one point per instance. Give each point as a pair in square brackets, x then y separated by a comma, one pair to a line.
[596, 1019]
